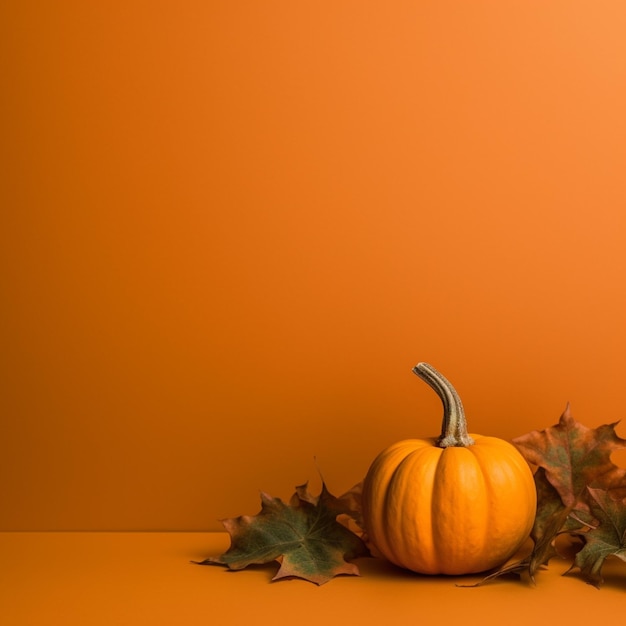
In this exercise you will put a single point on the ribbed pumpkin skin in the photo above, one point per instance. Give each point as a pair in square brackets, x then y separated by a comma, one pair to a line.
[455, 510]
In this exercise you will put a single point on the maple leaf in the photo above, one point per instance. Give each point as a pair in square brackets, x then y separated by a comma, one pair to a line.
[349, 509]
[304, 536]
[347, 504]
[352, 503]
[575, 457]
[607, 539]
[550, 519]
[570, 459]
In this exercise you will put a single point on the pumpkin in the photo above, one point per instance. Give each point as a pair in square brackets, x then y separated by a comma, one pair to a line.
[458, 504]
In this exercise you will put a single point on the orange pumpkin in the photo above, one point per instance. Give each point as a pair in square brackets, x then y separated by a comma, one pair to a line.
[458, 504]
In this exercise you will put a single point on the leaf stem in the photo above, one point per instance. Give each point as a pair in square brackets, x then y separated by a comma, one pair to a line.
[454, 424]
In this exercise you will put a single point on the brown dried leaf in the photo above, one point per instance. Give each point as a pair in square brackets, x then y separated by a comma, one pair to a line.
[575, 457]
[570, 459]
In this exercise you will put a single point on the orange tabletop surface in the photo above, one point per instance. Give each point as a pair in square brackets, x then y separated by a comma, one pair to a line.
[148, 578]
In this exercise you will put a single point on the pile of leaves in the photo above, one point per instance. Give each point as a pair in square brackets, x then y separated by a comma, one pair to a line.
[581, 493]
[581, 496]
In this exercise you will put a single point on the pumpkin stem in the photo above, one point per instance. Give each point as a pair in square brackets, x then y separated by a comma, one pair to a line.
[454, 426]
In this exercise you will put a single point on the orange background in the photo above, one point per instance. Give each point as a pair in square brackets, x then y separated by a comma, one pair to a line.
[73, 579]
[229, 230]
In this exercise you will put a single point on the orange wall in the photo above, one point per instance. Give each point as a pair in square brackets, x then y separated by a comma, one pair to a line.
[229, 230]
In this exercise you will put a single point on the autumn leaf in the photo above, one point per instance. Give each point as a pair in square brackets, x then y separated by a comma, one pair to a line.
[347, 504]
[607, 539]
[351, 503]
[575, 457]
[304, 536]
[551, 516]
[571, 459]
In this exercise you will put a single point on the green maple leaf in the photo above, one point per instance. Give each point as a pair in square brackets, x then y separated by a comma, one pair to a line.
[607, 539]
[304, 536]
